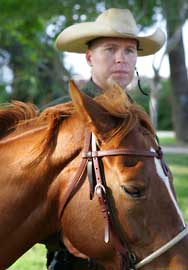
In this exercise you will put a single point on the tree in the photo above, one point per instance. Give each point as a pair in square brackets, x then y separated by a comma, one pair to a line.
[39, 72]
[176, 13]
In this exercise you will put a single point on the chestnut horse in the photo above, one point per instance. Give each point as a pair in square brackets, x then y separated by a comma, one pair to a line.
[44, 187]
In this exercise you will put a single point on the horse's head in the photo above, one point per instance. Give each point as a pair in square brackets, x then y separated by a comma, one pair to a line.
[141, 188]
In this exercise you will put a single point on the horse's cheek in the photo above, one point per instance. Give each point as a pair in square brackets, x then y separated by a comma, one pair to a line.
[83, 224]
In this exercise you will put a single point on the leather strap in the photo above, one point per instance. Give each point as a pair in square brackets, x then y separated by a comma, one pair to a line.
[100, 191]
[91, 178]
[129, 152]
[77, 177]
[120, 151]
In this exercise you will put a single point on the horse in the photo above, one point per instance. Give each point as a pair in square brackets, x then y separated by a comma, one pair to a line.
[92, 171]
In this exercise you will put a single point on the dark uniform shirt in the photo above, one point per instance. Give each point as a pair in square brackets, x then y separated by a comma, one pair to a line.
[91, 89]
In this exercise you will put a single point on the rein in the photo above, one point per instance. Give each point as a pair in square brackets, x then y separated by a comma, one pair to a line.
[91, 159]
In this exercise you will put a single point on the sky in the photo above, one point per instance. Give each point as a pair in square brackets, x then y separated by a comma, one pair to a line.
[144, 64]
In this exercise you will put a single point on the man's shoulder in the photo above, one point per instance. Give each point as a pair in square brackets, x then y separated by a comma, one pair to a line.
[88, 87]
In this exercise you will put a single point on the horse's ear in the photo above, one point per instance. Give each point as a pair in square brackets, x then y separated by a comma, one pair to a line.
[92, 113]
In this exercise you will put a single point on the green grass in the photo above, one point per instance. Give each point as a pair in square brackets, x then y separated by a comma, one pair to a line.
[35, 258]
[178, 164]
[167, 138]
[168, 141]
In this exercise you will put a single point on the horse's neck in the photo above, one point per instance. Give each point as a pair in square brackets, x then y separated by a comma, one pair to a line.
[21, 179]
[29, 195]
[22, 187]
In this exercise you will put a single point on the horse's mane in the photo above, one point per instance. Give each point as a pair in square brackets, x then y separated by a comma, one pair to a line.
[15, 117]
[118, 104]
[115, 101]
[54, 116]
[11, 114]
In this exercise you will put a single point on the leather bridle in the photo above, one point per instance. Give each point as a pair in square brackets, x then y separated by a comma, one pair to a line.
[91, 158]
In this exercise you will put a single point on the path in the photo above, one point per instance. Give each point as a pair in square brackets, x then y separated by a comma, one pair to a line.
[172, 149]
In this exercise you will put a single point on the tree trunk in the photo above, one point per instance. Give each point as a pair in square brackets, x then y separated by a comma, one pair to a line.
[175, 14]
[153, 107]
[179, 86]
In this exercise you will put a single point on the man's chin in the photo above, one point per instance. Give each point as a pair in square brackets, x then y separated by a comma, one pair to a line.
[121, 81]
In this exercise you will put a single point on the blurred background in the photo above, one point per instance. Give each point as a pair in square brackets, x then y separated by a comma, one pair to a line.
[31, 69]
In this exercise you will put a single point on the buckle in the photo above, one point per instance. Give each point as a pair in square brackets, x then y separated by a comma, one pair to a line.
[98, 188]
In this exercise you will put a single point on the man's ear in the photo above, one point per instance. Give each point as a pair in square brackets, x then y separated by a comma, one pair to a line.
[88, 57]
[94, 115]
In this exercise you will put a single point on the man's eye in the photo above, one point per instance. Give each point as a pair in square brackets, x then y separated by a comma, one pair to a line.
[110, 49]
[131, 50]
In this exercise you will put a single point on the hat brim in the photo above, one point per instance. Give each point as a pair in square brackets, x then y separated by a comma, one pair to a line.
[76, 37]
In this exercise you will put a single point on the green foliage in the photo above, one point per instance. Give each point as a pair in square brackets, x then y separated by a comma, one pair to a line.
[165, 108]
[4, 95]
[164, 104]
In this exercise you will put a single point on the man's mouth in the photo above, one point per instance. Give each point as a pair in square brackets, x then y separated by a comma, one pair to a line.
[120, 72]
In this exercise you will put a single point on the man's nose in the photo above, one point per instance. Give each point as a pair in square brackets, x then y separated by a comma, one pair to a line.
[121, 56]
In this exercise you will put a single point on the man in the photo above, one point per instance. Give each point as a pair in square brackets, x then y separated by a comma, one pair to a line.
[111, 45]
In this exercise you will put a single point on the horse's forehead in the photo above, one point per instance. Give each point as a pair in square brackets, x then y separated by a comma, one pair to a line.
[138, 138]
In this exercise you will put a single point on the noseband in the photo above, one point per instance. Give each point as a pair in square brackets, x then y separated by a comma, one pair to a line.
[91, 158]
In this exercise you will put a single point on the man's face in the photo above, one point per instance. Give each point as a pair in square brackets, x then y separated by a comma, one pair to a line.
[112, 58]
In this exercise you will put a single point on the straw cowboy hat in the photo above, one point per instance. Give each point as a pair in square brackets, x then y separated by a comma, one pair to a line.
[111, 23]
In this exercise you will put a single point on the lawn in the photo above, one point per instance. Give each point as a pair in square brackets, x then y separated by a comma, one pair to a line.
[179, 166]
[168, 141]
[34, 259]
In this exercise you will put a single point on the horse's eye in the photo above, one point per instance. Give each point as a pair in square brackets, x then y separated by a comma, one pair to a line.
[134, 192]
[130, 162]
